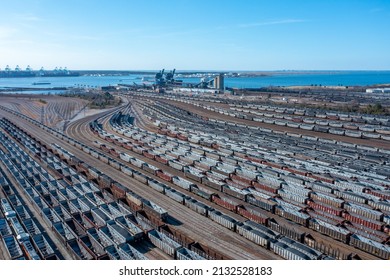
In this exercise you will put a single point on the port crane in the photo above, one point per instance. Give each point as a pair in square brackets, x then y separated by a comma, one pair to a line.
[162, 79]
[169, 76]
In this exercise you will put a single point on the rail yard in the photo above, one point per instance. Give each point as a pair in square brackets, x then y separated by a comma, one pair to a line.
[183, 177]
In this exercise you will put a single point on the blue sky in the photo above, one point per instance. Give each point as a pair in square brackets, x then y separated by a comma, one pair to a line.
[202, 35]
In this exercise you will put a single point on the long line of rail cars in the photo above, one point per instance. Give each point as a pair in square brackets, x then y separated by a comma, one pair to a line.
[211, 126]
[103, 181]
[368, 160]
[165, 111]
[365, 200]
[217, 216]
[376, 127]
[352, 155]
[97, 231]
[227, 203]
[313, 175]
[348, 153]
[333, 123]
[299, 172]
[20, 234]
[341, 96]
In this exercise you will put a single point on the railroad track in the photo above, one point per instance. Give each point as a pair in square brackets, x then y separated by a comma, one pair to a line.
[345, 249]
[59, 245]
[215, 115]
[201, 229]
[80, 131]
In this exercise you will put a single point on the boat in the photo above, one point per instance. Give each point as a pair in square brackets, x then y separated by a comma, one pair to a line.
[41, 83]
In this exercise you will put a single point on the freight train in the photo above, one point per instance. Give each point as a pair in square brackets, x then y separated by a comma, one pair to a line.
[256, 214]
[353, 240]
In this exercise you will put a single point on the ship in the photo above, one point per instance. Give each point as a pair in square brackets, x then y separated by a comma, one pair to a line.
[41, 83]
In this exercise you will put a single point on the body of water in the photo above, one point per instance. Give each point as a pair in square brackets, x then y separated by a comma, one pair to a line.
[331, 78]
[339, 78]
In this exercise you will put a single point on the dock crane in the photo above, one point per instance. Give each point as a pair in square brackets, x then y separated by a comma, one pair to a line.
[160, 77]
[169, 76]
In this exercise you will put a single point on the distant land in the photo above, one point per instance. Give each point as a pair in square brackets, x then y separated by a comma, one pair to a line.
[247, 73]
[241, 73]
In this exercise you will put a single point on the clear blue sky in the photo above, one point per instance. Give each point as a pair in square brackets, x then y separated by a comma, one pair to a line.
[189, 34]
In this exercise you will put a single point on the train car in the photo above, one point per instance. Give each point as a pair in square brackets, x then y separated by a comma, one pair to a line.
[114, 163]
[150, 168]
[183, 183]
[370, 246]
[161, 159]
[134, 201]
[127, 170]
[29, 250]
[327, 199]
[94, 153]
[125, 157]
[175, 195]
[196, 206]
[333, 231]
[361, 220]
[236, 192]
[363, 210]
[265, 187]
[164, 175]
[292, 197]
[264, 203]
[253, 235]
[318, 205]
[105, 148]
[295, 171]
[153, 209]
[136, 162]
[381, 205]
[148, 154]
[176, 164]
[223, 219]
[93, 173]
[83, 167]
[114, 152]
[194, 174]
[12, 247]
[156, 185]
[237, 184]
[287, 228]
[103, 158]
[104, 181]
[212, 183]
[118, 190]
[165, 243]
[127, 145]
[207, 252]
[202, 192]
[140, 177]
[226, 202]
[379, 193]
[325, 216]
[287, 252]
[352, 196]
[253, 213]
